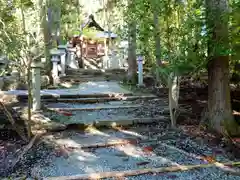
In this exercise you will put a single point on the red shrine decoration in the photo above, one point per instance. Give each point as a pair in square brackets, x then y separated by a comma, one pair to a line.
[90, 47]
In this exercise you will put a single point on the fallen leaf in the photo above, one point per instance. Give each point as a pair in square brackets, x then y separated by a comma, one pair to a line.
[148, 149]
[133, 142]
[209, 159]
[66, 113]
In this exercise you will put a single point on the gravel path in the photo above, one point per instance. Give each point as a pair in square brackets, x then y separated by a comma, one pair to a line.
[65, 153]
[132, 109]
[68, 159]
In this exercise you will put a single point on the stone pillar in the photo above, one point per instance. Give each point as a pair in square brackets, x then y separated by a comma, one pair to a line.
[68, 53]
[36, 86]
[114, 61]
[63, 48]
[55, 76]
[72, 62]
[140, 70]
[105, 62]
[61, 56]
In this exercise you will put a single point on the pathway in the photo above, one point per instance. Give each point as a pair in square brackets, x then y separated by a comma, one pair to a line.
[148, 143]
[87, 89]
[79, 155]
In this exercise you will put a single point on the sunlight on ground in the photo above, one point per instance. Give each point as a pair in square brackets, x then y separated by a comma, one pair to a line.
[39, 118]
[89, 155]
[95, 131]
[66, 84]
[120, 144]
[86, 156]
[131, 133]
[90, 65]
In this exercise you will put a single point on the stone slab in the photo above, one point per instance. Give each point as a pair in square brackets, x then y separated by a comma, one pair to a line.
[100, 99]
[86, 89]
[106, 118]
[91, 108]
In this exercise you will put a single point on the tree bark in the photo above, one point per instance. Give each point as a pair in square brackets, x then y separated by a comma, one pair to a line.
[219, 103]
[132, 63]
[46, 30]
[58, 30]
[157, 38]
[157, 43]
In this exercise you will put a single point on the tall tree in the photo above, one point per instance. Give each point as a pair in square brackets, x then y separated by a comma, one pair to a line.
[157, 38]
[219, 103]
[132, 44]
[157, 34]
[46, 31]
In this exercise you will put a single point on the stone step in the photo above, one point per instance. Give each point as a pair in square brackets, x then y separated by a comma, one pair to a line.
[95, 73]
[75, 113]
[84, 71]
[81, 75]
[93, 108]
[104, 123]
[100, 99]
[127, 122]
[84, 90]
[24, 97]
[79, 79]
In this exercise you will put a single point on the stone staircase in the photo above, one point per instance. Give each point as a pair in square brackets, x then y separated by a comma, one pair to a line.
[85, 75]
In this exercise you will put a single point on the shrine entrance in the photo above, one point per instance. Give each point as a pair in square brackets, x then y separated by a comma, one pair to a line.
[92, 44]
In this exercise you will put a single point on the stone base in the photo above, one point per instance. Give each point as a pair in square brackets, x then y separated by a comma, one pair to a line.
[62, 75]
[141, 86]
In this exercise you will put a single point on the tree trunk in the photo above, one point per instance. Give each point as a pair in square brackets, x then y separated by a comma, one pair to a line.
[157, 44]
[132, 63]
[49, 21]
[58, 30]
[219, 103]
[157, 38]
[46, 30]
[28, 62]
